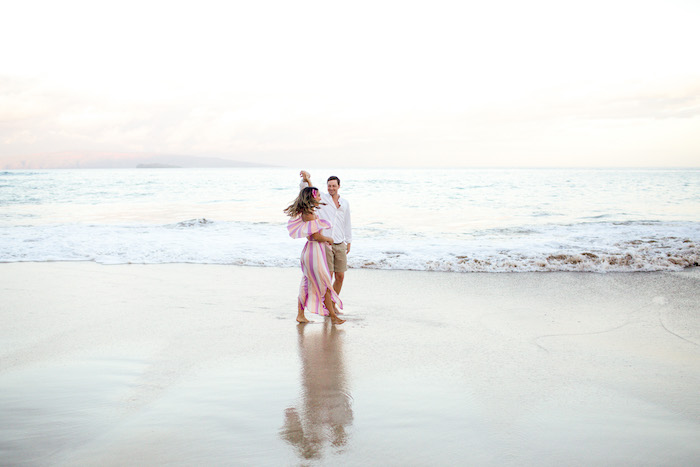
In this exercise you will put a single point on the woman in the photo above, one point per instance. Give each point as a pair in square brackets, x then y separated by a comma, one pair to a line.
[316, 292]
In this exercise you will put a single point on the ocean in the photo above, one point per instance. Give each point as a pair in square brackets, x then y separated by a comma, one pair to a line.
[460, 220]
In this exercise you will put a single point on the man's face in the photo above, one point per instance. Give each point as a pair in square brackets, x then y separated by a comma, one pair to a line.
[333, 187]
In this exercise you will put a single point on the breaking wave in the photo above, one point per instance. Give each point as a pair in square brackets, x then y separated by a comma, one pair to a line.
[587, 247]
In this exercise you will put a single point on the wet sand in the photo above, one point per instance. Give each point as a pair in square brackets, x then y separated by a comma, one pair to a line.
[205, 365]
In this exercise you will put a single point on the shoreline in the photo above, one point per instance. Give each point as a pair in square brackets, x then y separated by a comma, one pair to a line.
[686, 269]
[191, 363]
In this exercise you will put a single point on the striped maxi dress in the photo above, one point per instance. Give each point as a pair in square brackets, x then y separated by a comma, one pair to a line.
[317, 277]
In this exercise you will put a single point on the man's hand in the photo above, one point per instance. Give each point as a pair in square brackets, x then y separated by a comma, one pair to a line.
[348, 252]
[306, 176]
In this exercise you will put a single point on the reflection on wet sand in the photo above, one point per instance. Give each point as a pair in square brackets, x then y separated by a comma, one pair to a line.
[325, 409]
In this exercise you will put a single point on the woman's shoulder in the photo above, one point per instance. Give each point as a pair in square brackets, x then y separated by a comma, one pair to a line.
[306, 217]
[299, 228]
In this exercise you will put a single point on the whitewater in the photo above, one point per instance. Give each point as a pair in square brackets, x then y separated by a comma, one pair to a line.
[459, 220]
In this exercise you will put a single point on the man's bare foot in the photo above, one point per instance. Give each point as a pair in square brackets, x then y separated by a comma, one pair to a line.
[336, 320]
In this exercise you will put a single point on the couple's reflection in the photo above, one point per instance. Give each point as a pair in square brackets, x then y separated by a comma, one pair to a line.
[325, 409]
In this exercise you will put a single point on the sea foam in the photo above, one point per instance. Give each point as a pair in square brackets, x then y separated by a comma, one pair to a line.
[463, 220]
[591, 247]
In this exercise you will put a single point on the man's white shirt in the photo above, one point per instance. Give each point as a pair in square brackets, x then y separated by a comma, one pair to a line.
[339, 217]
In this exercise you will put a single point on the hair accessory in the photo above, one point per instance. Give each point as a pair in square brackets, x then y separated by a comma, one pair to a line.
[314, 193]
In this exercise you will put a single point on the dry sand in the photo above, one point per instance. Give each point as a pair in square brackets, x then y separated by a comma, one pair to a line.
[205, 365]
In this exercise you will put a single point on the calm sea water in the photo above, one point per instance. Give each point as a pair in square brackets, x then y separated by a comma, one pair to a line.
[463, 220]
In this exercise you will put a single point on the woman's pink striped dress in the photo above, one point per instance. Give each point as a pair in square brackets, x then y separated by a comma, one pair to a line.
[317, 277]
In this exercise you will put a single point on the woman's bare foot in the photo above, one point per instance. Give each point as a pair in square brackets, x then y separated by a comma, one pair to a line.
[336, 320]
[330, 306]
[300, 314]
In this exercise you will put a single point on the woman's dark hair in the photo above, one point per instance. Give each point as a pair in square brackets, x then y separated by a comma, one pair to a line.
[305, 203]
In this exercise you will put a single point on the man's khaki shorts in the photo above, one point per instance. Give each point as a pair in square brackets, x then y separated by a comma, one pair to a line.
[337, 257]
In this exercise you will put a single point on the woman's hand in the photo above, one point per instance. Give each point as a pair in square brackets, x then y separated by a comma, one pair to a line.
[319, 237]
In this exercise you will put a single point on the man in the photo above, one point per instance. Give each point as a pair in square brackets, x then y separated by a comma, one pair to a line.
[337, 212]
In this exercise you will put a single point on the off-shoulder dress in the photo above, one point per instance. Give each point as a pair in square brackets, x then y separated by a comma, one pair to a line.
[317, 277]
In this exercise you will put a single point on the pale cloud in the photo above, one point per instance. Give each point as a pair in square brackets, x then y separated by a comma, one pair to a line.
[655, 105]
[372, 83]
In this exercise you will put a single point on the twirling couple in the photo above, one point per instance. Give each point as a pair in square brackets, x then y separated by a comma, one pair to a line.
[324, 220]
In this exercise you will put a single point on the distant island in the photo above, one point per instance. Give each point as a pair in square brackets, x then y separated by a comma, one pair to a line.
[111, 160]
[157, 166]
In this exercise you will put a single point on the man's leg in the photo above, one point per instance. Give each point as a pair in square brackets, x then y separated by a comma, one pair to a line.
[340, 265]
[330, 260]
[338, 283]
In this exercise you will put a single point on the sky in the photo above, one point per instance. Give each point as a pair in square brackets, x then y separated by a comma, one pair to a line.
[354, 84]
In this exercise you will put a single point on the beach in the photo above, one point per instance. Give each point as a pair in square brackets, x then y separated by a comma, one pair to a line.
[191, 364]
